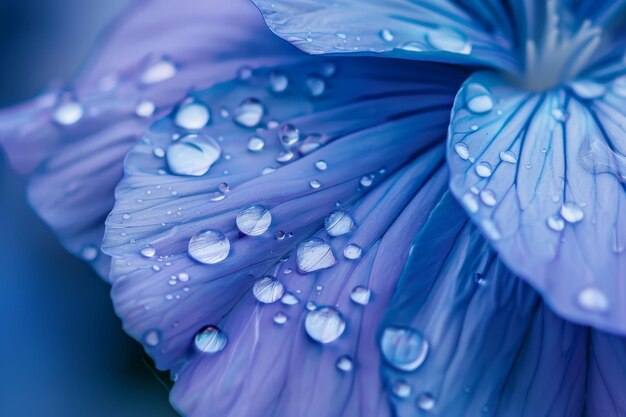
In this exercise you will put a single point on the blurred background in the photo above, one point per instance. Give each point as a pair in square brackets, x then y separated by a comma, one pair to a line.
[63, 352]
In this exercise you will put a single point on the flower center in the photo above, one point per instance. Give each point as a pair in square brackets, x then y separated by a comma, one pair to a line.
[557, 49]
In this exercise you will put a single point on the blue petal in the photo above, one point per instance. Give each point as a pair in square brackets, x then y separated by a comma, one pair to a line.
[76, 139]
[542, 175]
[370, 120]
[439, 30]
[483, 343]
[607, 376]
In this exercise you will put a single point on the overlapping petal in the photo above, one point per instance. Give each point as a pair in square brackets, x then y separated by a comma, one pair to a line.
[542, 174]
[76, 137]
[439, 30]
[348, 141]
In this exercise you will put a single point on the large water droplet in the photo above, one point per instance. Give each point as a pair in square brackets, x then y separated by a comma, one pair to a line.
[249, 113]
[209, 247]
[193, 155]
[403, 348]
[339, 223]
[314, 254]
[68, 113]
[594, 300]
[268, 290]
[571, 212]
[254, 220]
[210, 340]
[478, 99]
[192, 116]
[158, 72]
[148, 251]
[508, 157]
[324, 324]
[449, 40]
[361, 295]
[555, 222]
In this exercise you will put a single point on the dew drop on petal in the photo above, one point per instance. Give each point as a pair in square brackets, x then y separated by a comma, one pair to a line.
[478, 99]
[89, 253]
[386, 35]
[361, 295]
[449, 40]
[314, 254]
[344, 363]
[209, 247]
[321, 165]
[324, 324]
[249, 113]
[403, 348]
[147, 251]
[508, 157]
[315, 184]
[462, 150]
[278, 82]
[280, 318]
[152, 338]
[352, 251]
[488, 197]
[426, 402]
[484, 169]
[288, 134]
[571, 212]
[401, 389]
[367, 180]
[268, 290]
[192, 116]
[593, 299]
[145, 108]
[158, 72]
[68, 113]
[210, 340]
[555, 222]
[256, 144]
[193, 155]
[339, 223]
[470, 202]
[254, 220]
[316, 86]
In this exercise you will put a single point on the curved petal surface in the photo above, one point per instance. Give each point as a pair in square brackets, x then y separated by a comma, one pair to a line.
[347, 128]
[76, 138]
[606, 376]
[543, 177]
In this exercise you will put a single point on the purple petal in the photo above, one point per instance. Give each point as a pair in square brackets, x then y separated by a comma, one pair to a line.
[150, 59]
[371, 120]
[464, 337]
[542, 175]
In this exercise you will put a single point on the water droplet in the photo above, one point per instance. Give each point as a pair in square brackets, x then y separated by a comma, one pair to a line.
[403, 348]
[488, 197]
[361, 295]
[256, 144]
[209, 247]
[366, 180]
[315, 184]
[68, 113]
[278, 82]
[508, 157]
[560, 115]
[268, 290]
[210, 340]
[280, 318]
[426, 402]
[411, 47]
[249, 113]
[484, 169]
[183, 277]
[316, 86]
[329, 69]
[556, 223]
[449, 40]
[339, 223]
[158, 72]
[147, 251]
[254, 220]
[401, 389]
[470, 201]
[462, 150]
[321, 165]
[344, 363]
[324, 324]
[284, 156]
[152, 338]
[592, 299]
[352, 251]
[478, 99]
[490, 229]
[145, 108]
[386, 35]
[192, 116]
[571, 212]
[588, 89]
[288, 134]
[193, 155]
[314, 254]
[89, 253]
[479, 278]
[289, 299]
[244, 73]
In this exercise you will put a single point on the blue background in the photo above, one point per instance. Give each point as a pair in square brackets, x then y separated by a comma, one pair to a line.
[62, 350]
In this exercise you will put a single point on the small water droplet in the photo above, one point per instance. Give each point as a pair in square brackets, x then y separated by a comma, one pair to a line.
[321, 165]
[289, 299]
[268, 290]
[593, 299]
[488, 197]
[288, 134]
[449, 40]
[244, 73]
[254, 220]
[386, 35]
[145, 108]
[68, 113]
[479, 278]
[560, 115]
[256, 144]
[89, 253]
[426, 402]
[280, 318]
[316, 86]
[278, 82]
[192, 116]
[339, 223]
[411, 46]
[367, 180]
[403, 348]
[484, 169]
[352, 251]
[193, 155]
[158, 72]
[361, 295]
[324, 324]
[315, 184]
[508, 157]
[555, 222]
[462, 150]
[209, 247]
[470, 201]
[401, 389]
[314, 254]
[344, 363]
[210, 339]
[152, 338]
[478, 99]
[249, 113]
[572, 212]
[147, 251]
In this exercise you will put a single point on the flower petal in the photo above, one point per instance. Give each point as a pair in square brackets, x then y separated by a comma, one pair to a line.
[439, 30]
[148, 62]
[543, 177]
[465, 337]
[607, 376]
[370, 120]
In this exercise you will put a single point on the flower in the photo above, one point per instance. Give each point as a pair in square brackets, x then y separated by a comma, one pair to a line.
[300, 239]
